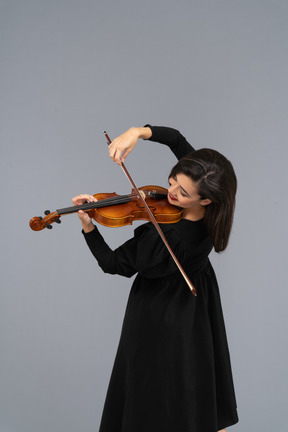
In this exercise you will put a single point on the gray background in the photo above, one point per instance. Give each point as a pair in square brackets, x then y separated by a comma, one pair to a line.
[216, 70]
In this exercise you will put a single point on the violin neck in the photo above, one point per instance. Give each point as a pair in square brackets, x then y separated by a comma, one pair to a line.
[120, 199]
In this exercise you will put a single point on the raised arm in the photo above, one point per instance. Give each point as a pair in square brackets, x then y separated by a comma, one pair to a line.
[172, 138]
[125, 143]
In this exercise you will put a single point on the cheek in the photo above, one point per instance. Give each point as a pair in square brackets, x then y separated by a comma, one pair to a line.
[188, 202]
[185, 203]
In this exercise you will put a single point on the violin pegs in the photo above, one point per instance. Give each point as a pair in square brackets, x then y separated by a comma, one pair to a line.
[47, 212]
[40, 217]
[48, 226]
[57, 220]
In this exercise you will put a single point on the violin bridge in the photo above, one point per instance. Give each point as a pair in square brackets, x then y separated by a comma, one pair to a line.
[142, 193]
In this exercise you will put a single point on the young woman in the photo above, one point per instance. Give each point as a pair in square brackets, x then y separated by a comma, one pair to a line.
[172, 370]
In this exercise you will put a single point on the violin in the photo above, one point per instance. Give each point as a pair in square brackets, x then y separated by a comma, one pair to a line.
[112, 210]
[147, 203]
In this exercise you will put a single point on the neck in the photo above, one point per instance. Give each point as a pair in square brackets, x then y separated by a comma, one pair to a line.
[194, 214]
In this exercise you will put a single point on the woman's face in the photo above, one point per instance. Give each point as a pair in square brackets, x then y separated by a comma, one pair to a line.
[183, 193]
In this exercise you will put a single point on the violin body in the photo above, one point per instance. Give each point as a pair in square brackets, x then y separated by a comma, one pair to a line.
[115, 211]
[126, 214]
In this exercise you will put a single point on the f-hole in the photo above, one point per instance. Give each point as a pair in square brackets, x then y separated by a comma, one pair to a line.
[142, 207]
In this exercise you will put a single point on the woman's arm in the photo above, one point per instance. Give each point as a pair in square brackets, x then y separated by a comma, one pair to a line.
[122, 260]
[125, 143]
[172, 138]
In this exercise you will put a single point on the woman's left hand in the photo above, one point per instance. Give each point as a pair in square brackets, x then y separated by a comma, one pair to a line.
[85, 219]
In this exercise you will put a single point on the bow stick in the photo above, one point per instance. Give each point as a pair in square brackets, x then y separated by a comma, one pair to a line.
[155, 223]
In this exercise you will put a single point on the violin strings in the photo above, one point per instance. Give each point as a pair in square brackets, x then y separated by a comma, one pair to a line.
[121, 199]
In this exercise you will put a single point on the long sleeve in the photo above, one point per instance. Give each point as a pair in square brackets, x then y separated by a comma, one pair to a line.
[120, 261]
[147, 255]
[172, 138]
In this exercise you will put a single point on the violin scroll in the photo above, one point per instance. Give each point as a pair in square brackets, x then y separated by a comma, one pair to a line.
[38, 223]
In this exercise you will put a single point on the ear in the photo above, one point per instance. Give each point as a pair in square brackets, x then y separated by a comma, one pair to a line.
[205, 202]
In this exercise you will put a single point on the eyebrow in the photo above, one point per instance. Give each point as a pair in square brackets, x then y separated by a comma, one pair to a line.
[183, 189]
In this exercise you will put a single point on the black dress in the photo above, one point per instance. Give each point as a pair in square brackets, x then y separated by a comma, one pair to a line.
[172, 370]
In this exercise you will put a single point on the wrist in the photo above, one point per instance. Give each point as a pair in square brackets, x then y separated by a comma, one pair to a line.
[88, 227]
[142, 132]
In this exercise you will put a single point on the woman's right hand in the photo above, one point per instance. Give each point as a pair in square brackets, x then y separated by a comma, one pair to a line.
[84, 217]
[124, 143]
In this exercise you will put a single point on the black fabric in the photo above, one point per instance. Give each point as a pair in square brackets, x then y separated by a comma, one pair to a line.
[172, 138]
[172, 370]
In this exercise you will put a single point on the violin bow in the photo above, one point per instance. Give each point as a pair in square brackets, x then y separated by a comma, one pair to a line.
[154, 222]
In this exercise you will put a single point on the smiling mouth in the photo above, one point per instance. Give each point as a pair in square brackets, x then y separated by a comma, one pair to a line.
[172, 198]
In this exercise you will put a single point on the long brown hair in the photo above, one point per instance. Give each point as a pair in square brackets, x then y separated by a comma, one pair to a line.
[215, 179]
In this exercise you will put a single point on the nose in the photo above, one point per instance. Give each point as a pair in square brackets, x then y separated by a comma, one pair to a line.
[173, 190]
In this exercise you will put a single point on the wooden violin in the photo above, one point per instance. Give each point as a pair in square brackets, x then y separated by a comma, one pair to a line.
[114, 210]
[147, 203]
